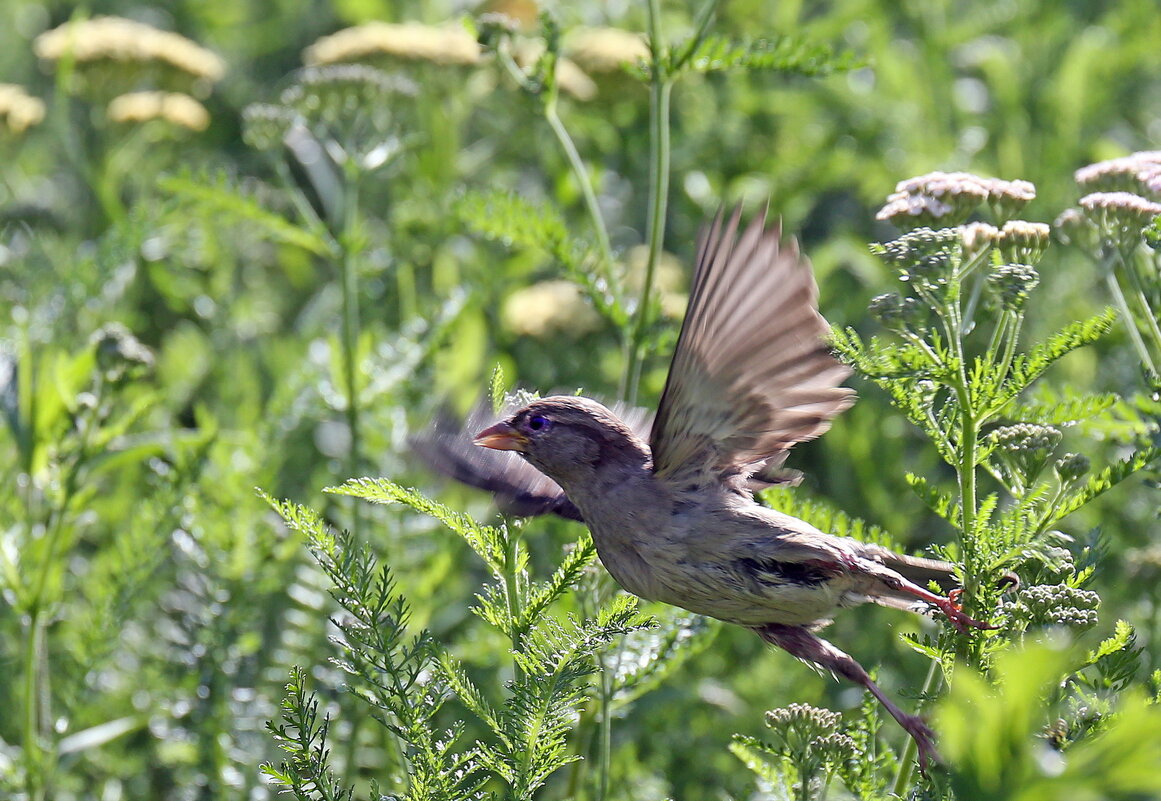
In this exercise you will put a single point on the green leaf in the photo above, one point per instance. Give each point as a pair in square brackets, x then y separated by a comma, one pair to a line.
[1103, 481]
[487, 541]
[942, 503]
[214, 193]
[790, 55]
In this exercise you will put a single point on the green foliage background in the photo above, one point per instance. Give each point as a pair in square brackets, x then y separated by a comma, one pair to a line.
[174, 602]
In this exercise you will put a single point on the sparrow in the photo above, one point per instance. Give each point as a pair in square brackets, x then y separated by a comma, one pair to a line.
[670, 501]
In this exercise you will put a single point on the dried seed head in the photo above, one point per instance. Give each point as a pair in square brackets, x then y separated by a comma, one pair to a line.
[1022, 241]
[172, 107]
[19, 111]
[1011, 284]
[407, 41]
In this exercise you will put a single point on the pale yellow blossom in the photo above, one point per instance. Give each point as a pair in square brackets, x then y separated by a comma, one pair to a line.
[548, 308]
[123, 40]
[173, 107]
[410, 41]
[604, 50]
[18, 110]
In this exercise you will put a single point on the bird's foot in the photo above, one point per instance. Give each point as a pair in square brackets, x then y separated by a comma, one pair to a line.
[954, 611]
[924, 738]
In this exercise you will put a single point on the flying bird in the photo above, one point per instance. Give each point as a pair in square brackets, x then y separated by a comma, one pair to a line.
[670, 505]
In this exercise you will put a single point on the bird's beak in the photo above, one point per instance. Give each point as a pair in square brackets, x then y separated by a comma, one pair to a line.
[501, 437]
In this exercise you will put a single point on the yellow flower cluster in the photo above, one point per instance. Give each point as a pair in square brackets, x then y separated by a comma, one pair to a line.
[19, 110]
[549, 308]
[124, 40]
[411, 41]
[173, 107]
[601, 50]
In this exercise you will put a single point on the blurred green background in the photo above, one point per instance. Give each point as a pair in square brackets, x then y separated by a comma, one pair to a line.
[170, 604]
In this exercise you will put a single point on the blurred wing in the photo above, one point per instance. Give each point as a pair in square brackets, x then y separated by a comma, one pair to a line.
[519, 489]
[751, 374]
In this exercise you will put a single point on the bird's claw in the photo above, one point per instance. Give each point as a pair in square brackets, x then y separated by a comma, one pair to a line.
[960, 619]
[924, 739]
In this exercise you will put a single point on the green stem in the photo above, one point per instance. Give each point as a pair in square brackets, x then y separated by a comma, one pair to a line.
[910, 747]
[350, 335]
[605, 732]
[1130, 322]
[33, 752]
[1139, 291]
[512, 592]
[660, 91]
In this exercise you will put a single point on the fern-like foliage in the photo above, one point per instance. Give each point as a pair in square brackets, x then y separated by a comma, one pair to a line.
[392, 671]
[217, 193]
[789, 55]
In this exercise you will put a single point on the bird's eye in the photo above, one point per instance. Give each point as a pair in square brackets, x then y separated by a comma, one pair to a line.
[538, 422]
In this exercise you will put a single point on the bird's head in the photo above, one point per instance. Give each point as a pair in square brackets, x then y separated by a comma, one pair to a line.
[567, 438]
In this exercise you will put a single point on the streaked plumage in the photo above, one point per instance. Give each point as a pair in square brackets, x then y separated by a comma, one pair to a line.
[674, 518]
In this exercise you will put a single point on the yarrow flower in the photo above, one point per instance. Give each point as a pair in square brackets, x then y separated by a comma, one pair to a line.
[605, 50]
[172, 107]
[406, 41]
[19, 111]
[264, 125]
[1054, 604]
[976, 237]
[1132, 173]
[1011, 284]
[1119, 216]
[1022, 241]
[1020, 452]
[950, 198]
[124, 42]
[549, 308]
[1072, 466]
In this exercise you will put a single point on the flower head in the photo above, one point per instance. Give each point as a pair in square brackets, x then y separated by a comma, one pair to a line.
[118, 352]
[605, 50]
[406, 41]
[1072, 466]
[1023, 241]
[1119, 216]
[548, 308]
[264, 125]
[130, 49]
[1011, 284]
[172, 107]
[19, 111]
[1055, 604]
[1130, 173]
[976, 237]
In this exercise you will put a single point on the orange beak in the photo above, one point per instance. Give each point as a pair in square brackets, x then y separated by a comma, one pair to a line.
[501, 437]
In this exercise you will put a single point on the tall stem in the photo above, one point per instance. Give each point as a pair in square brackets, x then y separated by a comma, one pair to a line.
[581, 172]
[1130, 321]
[350, 334]
[660, 90]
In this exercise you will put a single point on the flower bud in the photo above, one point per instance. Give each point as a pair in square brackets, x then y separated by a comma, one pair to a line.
[1011, 284]
[1022, 241]
[1072, 466]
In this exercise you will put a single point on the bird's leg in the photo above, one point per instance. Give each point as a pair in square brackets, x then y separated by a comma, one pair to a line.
[800, 643]
[960, 619]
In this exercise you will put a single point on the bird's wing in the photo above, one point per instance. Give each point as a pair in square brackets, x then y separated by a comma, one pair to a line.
[751, 374]
[519, 488]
